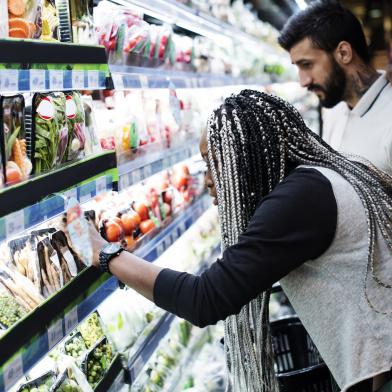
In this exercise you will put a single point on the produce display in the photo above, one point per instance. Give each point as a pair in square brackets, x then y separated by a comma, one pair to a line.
[75, 345]
[17, 158]
[10, 311]
[83, 30]
[91, 330]
[36, 19]
[41, 384]
[98, 361]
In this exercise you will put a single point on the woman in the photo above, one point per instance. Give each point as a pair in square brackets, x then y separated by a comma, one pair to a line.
[323, 230]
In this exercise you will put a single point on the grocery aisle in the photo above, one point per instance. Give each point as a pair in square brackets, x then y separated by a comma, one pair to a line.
[101, 112]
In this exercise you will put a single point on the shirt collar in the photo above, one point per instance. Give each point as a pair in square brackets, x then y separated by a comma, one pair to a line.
[371, 96]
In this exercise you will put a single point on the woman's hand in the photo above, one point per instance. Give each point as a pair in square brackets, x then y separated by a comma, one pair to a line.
[97, 242]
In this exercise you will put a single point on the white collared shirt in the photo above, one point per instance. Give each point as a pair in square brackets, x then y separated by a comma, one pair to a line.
[366, 130]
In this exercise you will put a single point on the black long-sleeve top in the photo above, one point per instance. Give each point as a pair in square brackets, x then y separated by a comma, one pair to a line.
[295, 223]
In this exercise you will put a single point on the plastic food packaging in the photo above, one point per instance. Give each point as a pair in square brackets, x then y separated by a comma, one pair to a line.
[92, 145]
[50, 131]
[83, 30]
[40, 384]
[74, 111]
[17, 145]
[10, 309]
[33, 19]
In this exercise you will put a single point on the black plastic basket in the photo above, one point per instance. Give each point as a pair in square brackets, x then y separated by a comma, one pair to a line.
[298, 364]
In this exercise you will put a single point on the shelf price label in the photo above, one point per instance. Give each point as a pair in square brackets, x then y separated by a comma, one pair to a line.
[71, 193]
[166, 162]
[55, 333]
[85, 198]
[71, 320]
[78, 80]
[13, 372]
[124, 181]
[9, 80]
[147, 171]
[160, 248]
[181, 228]
[100, 185]
[143, 79]
[56, 79]
[93, 79]
[37, 79]
[136, 176]
[14, 223]
[118, 81]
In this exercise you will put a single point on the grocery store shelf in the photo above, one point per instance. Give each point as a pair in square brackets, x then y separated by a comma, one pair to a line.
[130, 77]
[150, 338]
[29, 203]
[172, 12]
[114, 378]
[153, 162]
[31, 65]
[33, 337]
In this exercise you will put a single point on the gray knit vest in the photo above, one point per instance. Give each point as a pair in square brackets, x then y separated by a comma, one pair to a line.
[328, 295]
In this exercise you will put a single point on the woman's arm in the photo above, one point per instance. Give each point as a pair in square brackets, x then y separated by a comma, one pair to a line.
[294, 224]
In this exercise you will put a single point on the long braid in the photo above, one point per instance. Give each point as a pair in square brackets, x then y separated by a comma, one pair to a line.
[252, 138]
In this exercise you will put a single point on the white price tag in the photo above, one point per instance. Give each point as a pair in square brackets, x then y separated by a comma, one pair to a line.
[37, 79]
[78, 80]
[55, 333]
[175, 235]
[71, 320]
[100, 184]
[168, 242]
[181, 228]
[93, 79]
[71, 193]
[9, 80]
[13, 372]
[188, 82]
[56, 79]
[124, 182]
[136, 177]
[14, 223]
[85, 198]
[160, 248]
[143, 79]
[166, 162]
[147, 171]
[118, 81]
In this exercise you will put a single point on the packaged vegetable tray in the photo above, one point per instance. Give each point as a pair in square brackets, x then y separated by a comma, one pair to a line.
[76, 127]
[36, 19]
[50, 130]
[16, 144]
[97, 361]
[40, 384]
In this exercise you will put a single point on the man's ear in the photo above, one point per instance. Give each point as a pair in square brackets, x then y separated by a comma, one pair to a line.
[343, 53]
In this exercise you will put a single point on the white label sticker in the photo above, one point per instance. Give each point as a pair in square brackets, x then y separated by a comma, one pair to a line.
[85, 198]
[14, 223]
[160, 248]
[182, 228]
[70, 107]
[100, 184]
[124, 182]
[55, 333]
[147, 171]
[71, 320]
[70, 262]
[136, 176]
[118, 81]
[71, 193]
[175, 235]
[143, 79]
[56, 79]
[37, 79]
[13, 372]
[166, 162]
[93, 79]
[46, 109]
[9, 80]
[78, 80]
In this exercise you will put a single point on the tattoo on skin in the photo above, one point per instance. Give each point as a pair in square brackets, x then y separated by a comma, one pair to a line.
[359, 83]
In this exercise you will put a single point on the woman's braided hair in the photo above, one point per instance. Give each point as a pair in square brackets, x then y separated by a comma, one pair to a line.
[252, 139]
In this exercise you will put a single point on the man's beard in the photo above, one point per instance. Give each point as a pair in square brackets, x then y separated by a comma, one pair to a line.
[334, 86]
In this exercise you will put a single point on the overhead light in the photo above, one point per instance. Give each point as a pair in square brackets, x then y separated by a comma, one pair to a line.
[301, 4]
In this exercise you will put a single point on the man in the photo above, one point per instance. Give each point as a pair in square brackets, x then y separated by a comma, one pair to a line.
[327, 44]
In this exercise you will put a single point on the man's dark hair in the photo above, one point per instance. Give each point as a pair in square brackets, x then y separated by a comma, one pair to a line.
[325, 23]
